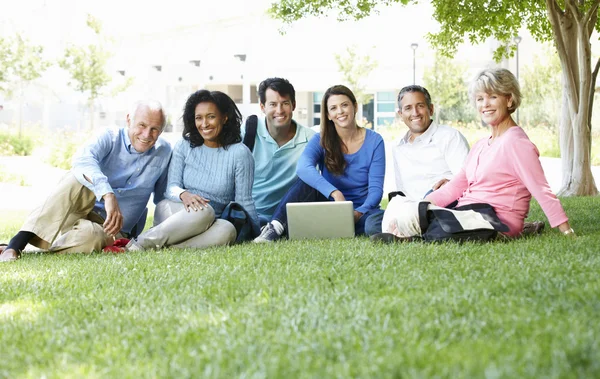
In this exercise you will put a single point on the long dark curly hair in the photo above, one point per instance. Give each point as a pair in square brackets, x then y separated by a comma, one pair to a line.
[230, 133]
[330, 140]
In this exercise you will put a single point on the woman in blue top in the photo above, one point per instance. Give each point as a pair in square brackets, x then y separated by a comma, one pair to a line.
[343, 163]
[210, 167]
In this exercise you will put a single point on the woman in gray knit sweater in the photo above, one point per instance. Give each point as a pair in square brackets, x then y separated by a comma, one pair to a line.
[210, 167]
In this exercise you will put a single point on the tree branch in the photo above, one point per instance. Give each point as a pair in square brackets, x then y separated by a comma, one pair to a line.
[572, 6]
[592, 91]
[591, 17]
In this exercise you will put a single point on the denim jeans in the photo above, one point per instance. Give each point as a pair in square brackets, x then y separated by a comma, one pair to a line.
[300, 192]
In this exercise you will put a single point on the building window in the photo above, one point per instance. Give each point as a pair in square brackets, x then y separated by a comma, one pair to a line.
[385, 107]
[317, 98]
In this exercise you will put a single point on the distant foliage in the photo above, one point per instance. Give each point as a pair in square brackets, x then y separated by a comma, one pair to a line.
[446, 82]
[12, 144]
[62, 148]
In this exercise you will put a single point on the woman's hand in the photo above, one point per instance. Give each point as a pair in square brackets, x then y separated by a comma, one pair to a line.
[193, 202]
[566, 229]
[337, 195]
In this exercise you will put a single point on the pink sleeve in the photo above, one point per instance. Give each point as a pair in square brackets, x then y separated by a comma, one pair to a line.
[450, 191]
[528, 168]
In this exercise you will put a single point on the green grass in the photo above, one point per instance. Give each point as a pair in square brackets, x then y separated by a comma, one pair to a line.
[340, 308]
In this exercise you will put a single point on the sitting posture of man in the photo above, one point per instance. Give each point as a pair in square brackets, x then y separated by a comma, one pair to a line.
[276, 142]
[106, 192]
[428, 155]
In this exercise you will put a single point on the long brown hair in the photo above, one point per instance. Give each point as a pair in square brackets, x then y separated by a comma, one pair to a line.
[330, 140]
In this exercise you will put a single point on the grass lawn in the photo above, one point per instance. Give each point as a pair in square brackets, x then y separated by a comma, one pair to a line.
[340, 308]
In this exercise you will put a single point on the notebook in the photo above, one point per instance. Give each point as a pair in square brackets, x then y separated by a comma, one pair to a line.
[328, 219]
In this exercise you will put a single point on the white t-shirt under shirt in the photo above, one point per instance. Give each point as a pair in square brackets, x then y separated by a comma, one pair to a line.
[437, 154]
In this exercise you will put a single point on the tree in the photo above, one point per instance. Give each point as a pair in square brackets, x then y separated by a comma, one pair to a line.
[21, 62]
[87, 66]
[445, 81]
[568, 23]
[355, 68]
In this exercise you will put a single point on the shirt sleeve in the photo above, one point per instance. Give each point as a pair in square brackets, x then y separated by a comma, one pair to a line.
[376, 176]
[455, 152]
[175, 185]
[397, 176]
[86, 165]
[306, 168]
[525, 159]
[244, 179]
[160, 187]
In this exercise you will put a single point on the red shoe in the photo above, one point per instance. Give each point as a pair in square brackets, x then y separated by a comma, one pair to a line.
[117, 247]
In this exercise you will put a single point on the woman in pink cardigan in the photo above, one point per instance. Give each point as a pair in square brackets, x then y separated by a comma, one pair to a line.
[503, 170]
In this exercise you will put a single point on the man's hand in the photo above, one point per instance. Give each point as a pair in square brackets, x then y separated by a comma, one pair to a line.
[337, 195]
[114, 218]
[192, 202]
[357, 216]
[439, 184]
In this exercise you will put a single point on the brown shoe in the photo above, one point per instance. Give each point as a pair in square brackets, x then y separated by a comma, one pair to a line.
[9, 255]
[533, 228]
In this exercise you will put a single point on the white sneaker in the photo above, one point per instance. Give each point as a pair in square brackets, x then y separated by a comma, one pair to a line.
[133, 246]
[267, 234]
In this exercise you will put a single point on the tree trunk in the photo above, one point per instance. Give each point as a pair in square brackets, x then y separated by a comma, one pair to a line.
[572, 39]
[92, 113]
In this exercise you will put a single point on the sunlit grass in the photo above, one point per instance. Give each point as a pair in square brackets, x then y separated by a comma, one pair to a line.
[329, 308]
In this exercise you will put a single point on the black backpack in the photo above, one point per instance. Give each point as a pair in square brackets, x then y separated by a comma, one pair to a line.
[250, 136]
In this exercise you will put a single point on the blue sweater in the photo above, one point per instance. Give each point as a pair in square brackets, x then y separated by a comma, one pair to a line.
[216, 174]
[362, 181]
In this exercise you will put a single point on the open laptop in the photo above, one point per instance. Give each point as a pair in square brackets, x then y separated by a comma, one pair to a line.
[328, 219]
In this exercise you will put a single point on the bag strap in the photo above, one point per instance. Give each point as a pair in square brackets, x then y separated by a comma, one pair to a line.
[250, 136]
[423, 222]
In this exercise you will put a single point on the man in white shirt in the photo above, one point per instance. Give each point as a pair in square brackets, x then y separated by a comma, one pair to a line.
[428, 155]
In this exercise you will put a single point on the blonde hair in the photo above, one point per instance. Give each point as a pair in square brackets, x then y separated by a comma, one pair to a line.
[499, 81]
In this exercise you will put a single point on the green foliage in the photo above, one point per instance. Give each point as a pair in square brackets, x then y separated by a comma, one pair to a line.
[20, 63]
[355, 68]
[61, 147]
[87, 64]
[11, 144]
[11, 177]
[541, 88]
[446, 82]
[339, 308]
[293, 10]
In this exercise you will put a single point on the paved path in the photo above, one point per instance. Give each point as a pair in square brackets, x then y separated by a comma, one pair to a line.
[43, 177]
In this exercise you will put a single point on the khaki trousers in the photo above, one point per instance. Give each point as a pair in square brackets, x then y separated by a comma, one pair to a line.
[175, 227]
[64, 222]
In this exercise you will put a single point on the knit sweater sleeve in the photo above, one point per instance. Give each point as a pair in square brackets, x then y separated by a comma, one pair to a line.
[175, 178]
[244, 179]
[376, 176]
[306, 169]
[524, 157]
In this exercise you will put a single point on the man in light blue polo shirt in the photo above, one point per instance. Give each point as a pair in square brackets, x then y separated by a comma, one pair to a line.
[278, 144]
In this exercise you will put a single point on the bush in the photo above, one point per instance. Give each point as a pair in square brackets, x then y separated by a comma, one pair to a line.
[62, 147]
[12, 144]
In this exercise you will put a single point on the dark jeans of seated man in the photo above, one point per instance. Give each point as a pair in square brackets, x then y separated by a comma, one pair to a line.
[373, 223]
[300, 192]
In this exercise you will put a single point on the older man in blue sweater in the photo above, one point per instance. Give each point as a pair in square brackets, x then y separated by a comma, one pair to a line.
[105, 194]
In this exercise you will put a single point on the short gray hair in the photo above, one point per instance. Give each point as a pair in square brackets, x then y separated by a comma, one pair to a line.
[153, 105]
[499, 81]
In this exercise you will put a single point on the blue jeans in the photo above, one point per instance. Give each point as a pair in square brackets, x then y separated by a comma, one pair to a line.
[300, 192]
